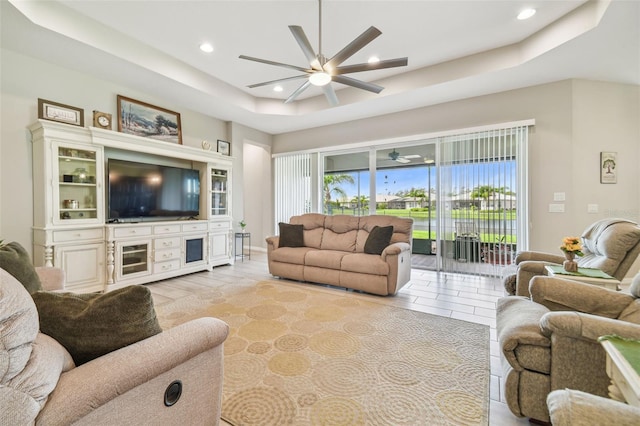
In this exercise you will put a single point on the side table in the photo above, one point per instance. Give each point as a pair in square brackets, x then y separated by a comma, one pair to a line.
[623, 364]
[584, 275]
[243, 245]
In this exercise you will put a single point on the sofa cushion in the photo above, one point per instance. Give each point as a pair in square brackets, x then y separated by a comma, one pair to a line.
[290, 235]
[329, 259]
[30, 362]
[295, 255]
[340, 233]
[18, 326]
[378, 239]
[365, 264]
[607, 242]
[15, 260]
[91, 325]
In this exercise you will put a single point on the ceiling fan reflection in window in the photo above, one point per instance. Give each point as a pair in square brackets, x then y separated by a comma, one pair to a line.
[321, 72]
[404, 159]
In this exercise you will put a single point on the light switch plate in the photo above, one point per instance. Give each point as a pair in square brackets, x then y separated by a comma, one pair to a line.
[559, 196]
[592, 208]
[556, 208]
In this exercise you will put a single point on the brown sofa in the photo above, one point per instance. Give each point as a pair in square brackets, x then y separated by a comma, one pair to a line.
[333, 253]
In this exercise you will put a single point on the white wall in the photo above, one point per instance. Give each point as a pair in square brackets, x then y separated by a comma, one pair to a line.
[575, 121]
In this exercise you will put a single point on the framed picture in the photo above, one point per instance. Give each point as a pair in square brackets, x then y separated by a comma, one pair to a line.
[149, 121]
[49, 110]
[224, 147]
[608, 167]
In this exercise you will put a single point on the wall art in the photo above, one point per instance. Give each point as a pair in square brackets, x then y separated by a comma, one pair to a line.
[149, 121]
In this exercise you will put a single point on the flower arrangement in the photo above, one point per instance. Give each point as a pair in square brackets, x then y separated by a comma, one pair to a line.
[572, 245]
[243, 224]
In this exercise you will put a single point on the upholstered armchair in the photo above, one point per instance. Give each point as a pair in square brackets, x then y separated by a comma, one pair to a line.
[611, 245]
[550, 341]
[570, 408]
[172, 377]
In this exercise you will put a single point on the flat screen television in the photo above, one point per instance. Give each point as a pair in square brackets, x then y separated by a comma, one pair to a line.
[141, 190]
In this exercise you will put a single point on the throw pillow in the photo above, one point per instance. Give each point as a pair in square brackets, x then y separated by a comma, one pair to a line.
[15, 260]
[291, 235]
[92, 325]
[378, 239]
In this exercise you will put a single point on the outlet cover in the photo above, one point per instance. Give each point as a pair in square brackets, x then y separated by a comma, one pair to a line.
[556, 208]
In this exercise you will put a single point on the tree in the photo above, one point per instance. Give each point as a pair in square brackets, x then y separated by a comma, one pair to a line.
[419, 193]
[361, 201]
[331, 185]
[609, 164]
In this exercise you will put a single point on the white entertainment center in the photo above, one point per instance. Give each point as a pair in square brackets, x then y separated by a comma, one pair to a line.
[72, 227]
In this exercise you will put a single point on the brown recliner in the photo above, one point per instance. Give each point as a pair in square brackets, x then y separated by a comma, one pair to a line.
[550, 341]
[611, 245]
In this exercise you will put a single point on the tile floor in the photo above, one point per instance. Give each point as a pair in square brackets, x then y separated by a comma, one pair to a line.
[465, 297]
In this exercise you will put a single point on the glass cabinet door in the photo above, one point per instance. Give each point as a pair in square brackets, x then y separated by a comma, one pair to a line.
[135, 259]
[77, 185]
[219, 192]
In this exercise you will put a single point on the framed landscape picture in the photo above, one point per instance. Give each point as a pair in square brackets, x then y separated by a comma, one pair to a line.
[149, 121]
[608, 167]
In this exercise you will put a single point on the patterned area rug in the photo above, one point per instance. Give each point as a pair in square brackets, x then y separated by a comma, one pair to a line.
[299, 356]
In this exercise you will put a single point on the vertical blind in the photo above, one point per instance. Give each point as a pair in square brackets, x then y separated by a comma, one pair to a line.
[482, 183]
[293, 184]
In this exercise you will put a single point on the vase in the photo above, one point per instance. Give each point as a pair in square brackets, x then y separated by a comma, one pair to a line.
[570, 265]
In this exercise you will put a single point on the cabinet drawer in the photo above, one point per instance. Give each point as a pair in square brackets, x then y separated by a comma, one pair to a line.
[166, 229]
[132, 232]
[78, 234]
[166, 243]
[191, 227]
[217, 226]
[161, 267]
[164, 255]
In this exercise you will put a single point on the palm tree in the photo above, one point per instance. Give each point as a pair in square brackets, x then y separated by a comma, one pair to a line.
[419, 193]
[331, 185]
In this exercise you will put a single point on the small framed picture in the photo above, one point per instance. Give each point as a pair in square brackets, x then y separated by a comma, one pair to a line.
[224, 147]
[608, 167]
[49, 110]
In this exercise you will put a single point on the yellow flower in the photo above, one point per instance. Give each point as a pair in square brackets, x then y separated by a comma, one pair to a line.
[572, 245]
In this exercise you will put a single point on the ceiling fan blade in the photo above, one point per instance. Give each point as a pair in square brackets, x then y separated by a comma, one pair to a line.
[357, 83]
[350, 49]
[280, 80]
[279, 64]
[330, 94]
[389, 63]
[303, 42]
[402, 160]
[297, 92]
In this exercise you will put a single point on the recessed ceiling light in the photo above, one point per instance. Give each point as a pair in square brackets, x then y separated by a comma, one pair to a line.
[373, 60]
[526, 14]
[277, 89]
[206, 47]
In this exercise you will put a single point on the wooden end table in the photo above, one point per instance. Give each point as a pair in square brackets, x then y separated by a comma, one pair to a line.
[623, 365]
[584, 275]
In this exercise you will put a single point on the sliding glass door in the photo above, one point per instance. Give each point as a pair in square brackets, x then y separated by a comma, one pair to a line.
[467, 193]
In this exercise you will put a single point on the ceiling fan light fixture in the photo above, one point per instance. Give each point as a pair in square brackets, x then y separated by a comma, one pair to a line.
[319, 79]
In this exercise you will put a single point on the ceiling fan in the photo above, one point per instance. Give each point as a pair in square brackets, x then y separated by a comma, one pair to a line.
[321, 71]
[404, 159]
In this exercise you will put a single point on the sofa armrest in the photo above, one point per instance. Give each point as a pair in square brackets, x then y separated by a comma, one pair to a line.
[52, 278]
[571, 407]
[538, 256]
[578, 325]
[97, 383]
[559, 294]
[272, 242]
[394, 249]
